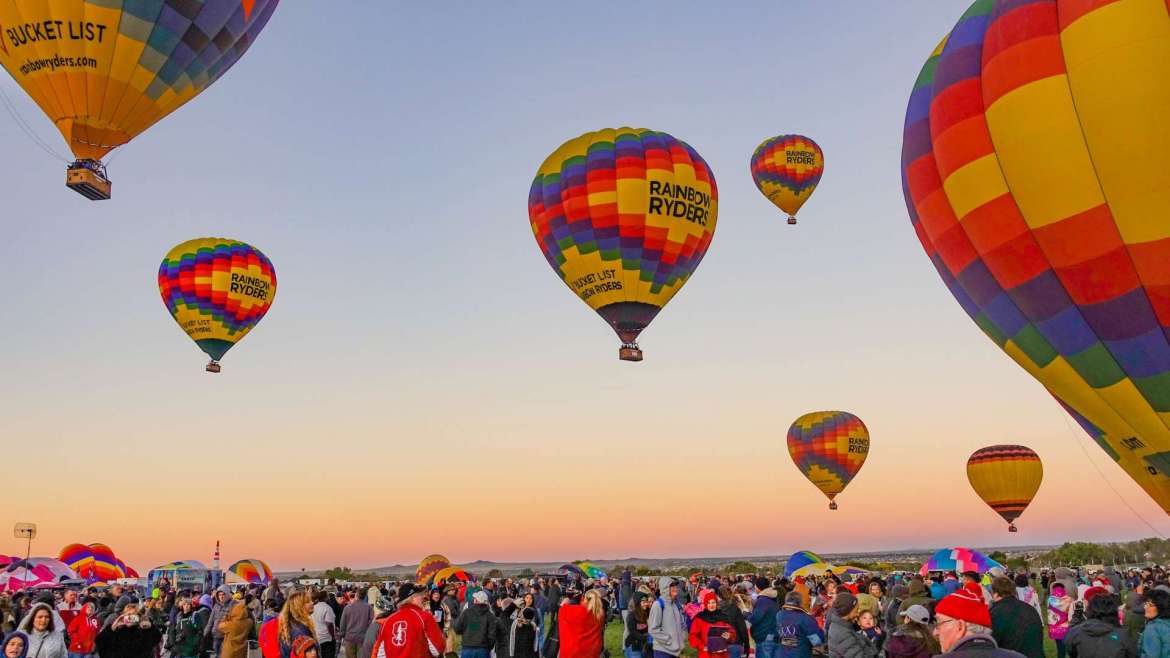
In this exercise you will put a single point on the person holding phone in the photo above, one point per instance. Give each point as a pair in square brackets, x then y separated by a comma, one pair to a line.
[131, 635]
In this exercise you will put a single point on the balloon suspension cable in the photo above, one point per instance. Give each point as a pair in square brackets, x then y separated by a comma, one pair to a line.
[27, 129]
[630, 352]
[1077, 435]
[832, 504]
[792, 220]
[213, 366]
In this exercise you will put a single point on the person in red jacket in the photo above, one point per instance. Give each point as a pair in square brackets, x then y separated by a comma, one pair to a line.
[712, 633]
[581, 625]
[411, 632]
[83, 630]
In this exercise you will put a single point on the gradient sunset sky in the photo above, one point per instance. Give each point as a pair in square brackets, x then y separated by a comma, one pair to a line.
[425, 383]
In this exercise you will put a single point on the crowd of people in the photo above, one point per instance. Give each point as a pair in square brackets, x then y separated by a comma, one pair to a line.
[996, 615]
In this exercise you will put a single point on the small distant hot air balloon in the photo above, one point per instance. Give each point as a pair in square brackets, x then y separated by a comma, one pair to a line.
[829, 448]
[104, 71]
[787, 169]
[217, 290]
[1006, 477]
[624, 216]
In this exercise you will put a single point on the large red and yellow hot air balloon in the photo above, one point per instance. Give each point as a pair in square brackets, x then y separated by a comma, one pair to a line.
[787, 169]
[1036, 170]
[829, 448]
[218, 290]
[1007, 478]
[104, 71]
[624, 216]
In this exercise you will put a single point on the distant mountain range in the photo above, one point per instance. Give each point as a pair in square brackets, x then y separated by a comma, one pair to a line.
[480, 567]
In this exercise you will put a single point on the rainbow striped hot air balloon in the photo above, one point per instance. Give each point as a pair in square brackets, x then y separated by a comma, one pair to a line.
[1006, 477]
[829, 448]
[958, 560]
[1034, 166]
[250, 571]
[624, 217]
[96, 563]
[218, 290]
[787, 169]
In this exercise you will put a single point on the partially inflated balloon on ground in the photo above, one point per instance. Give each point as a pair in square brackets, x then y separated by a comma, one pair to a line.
[1007, 478]
[786, 169]
[217, 290]
[829, 448]
[1035, 168]
[624, 216]
[105, 70]
[428, 567]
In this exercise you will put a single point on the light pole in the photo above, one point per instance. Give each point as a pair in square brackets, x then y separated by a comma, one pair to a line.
[26, 531]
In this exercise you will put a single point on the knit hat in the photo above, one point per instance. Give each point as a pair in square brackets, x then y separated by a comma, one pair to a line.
[844, 603]
[965, 605]
[706, 596]
[1094, 591]
[480, 596]
[205, 600]
[793, 599]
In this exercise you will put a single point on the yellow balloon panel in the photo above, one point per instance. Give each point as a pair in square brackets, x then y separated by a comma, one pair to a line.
[1006, 477]
[105, 70]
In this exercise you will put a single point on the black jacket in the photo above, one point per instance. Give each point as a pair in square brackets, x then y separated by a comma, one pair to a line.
[735, 617]
[477, 625]
[1099, 639]
[1016, 626]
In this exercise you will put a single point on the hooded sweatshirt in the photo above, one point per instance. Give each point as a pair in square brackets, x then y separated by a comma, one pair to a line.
[763, 617]
[45, 644]
[11, 635]
[477, 625]
[667, 627]
[1099, 639]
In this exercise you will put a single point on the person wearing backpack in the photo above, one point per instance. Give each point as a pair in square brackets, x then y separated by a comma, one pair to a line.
[666, 623]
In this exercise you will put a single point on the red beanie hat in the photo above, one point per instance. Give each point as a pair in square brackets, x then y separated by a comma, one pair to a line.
[707, 595]
[965, 606]
[1094, 591]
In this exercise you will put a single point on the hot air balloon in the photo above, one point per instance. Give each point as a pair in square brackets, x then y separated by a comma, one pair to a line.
[829, 448]
[624, 216]
[1034, 169]
[450, 574]
[786, 169]
[1006, 478]
[253, 572]
[217, 290]
[104, 72]
[428, 567]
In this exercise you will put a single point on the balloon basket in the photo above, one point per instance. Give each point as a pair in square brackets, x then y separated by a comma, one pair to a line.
[791, 220]
[630, 352]
[213, 366]
[88, 178]
[1012, 527]
[832, 504]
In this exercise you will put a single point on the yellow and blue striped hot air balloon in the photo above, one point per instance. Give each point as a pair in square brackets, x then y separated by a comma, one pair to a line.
[1006, 477]
[105, 70]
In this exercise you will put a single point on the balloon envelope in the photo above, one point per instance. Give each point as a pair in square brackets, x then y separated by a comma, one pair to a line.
[958, 560]
[428, 567]
[450, 575]
[624, 216]
[105, 71]
[1034, 168]
[799, 560]
[1006, 477]
[217, 289]
[787, 169]
[829, 448]
[250, 571]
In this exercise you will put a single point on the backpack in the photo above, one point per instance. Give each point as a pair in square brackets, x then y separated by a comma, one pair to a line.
[1078, 614]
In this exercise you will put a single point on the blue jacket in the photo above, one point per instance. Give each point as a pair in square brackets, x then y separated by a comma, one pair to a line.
[796, 631]
[763, 618]
[1156, 639]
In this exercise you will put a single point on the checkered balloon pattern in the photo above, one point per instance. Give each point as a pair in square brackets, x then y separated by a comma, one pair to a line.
[624, 216]
[217, 290]
[829, 448]
[1034, 165]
